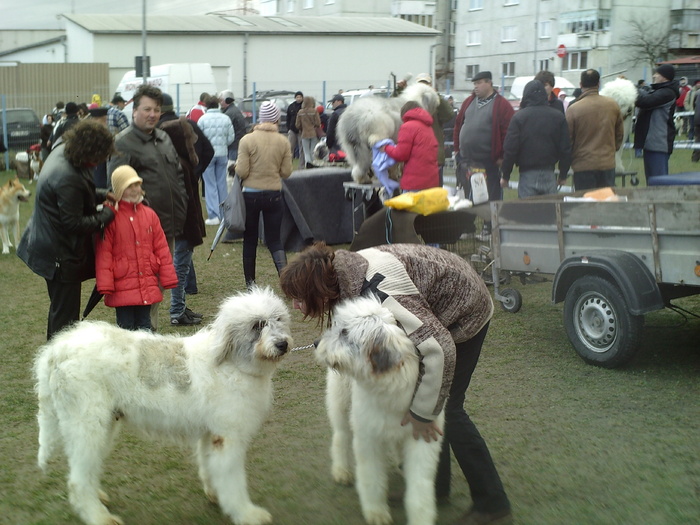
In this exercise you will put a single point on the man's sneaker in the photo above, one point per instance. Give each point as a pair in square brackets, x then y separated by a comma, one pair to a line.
[212, 222]
[193, 315]
[184, 320]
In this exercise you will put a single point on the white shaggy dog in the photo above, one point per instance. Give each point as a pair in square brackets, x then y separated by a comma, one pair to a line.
[371, 119]
[373, 370]
[211, 390]
[624, 92]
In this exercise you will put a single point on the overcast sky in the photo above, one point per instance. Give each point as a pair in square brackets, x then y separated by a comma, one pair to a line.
[44, 14]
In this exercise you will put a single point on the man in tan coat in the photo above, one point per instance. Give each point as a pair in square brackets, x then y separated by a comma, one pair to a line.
[595, 126]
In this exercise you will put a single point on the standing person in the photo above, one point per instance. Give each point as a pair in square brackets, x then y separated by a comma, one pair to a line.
[237, 120]
[537, 139]
[307, 122]
[71, 119]
[445, 308]
[292, 130]
[45, 134]
[195, 153]
[655, 130]
[151, 153]
[199, 109]
[338, 104]
[417, 148]
[133, 258]
[58, 242]
[480, 130]
[264, 160]
[547, 79]
[596, 130]
[116, 119]
[218, 129]
[683, 90]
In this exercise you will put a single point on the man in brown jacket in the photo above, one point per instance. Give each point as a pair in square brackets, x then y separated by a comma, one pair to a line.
[595, 126]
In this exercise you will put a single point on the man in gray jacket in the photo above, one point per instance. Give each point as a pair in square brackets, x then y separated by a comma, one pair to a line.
[151, 153]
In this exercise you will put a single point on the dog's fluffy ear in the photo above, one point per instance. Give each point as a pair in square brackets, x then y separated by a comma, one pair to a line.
[381, 350]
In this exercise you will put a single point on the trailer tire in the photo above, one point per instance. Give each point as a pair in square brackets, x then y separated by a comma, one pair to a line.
[512, 300]
[598, 323]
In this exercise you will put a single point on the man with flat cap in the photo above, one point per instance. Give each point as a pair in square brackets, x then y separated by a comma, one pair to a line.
[479, 133]
[655, 129]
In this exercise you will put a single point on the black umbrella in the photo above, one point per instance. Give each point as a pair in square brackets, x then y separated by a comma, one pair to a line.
[95, 297]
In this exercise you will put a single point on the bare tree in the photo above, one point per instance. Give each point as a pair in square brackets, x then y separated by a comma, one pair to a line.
[647, 42]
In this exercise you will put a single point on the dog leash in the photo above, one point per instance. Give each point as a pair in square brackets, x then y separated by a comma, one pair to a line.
[302, 347]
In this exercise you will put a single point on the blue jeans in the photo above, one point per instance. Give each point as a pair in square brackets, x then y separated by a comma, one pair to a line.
[215, 181]
[536, 182]
[271, 205]
[137, 317]
[655, 163]
[191, 282]
[232, 153]
[462, 436]
[588, 180]
[182, 259]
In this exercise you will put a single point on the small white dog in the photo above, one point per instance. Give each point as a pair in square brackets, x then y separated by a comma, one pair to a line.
[211, 390]
[373, 370]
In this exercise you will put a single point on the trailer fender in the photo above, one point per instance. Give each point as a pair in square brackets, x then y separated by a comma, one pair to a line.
[624, 269]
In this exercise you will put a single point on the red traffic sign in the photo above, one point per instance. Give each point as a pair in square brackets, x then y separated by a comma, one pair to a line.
[561, 50]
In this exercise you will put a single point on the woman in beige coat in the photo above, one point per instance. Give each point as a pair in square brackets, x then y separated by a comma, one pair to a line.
[307, 123]
[264, 159]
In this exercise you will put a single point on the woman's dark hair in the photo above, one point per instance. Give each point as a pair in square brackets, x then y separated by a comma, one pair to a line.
[212, 102]
[408, 106]
[311, 278]
[89, 142]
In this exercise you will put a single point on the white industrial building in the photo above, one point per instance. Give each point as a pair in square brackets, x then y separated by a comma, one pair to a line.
[306, 53]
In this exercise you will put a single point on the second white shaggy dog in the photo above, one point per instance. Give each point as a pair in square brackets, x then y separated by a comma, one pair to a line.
[211, 390]
[373, 370]
[624, 92]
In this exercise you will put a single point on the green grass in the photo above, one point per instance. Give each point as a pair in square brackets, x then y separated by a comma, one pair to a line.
[574, 444]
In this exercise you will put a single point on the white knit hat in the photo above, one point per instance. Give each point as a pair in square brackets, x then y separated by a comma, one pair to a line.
[268, 112]
[122, 178]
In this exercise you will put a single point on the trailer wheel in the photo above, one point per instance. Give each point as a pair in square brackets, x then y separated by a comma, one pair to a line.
[511, 300]
[598, 322]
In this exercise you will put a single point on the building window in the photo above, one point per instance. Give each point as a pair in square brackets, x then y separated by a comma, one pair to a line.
[546, 29]
[290, 6]
[476, 4]
[508, 69]
[577, 60]
[474, 37]
[308, 4]
[508, 33]
[511, 2]
[472, 70]
[544, 65]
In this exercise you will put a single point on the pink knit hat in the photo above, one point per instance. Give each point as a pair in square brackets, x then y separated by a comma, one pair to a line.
[268, 112]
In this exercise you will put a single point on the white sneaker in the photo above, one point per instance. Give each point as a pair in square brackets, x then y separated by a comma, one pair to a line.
[212, 222]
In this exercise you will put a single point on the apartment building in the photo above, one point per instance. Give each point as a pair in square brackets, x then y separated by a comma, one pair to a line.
[514, 38]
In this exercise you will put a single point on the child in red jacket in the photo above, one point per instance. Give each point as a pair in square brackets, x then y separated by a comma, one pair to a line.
[417, 147]
[133, 257]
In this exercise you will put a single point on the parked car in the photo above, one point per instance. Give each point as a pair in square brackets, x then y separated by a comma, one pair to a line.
[353, 94]
[23, 129]
[282, 99]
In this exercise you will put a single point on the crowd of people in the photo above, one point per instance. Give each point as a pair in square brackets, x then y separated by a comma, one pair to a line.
[119, 201]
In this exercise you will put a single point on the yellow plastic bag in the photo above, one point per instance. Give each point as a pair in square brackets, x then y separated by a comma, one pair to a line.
[424, 202]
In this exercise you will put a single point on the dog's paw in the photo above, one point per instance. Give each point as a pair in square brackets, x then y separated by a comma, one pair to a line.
[112, 520]
[5, 250]
[378, 517]
[104, 498]
[212, 496]
[254, 515]
[342, 476]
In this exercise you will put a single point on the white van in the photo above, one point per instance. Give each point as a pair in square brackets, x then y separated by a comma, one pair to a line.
[183, 82]
[564, 85]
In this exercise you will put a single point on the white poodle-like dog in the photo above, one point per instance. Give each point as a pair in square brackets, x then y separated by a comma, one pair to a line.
[371, 119]
[372, 375]
[624, 92]
[211, 390]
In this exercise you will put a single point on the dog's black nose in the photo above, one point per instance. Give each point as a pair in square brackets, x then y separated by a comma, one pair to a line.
[282, 346]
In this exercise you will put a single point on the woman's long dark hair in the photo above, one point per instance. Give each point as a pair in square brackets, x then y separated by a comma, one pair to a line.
[311, 278]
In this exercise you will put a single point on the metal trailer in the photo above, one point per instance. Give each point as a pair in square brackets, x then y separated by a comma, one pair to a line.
[612, 262]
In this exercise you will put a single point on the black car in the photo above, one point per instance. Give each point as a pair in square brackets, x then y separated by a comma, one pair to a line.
[23, 129]
[281, 98]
